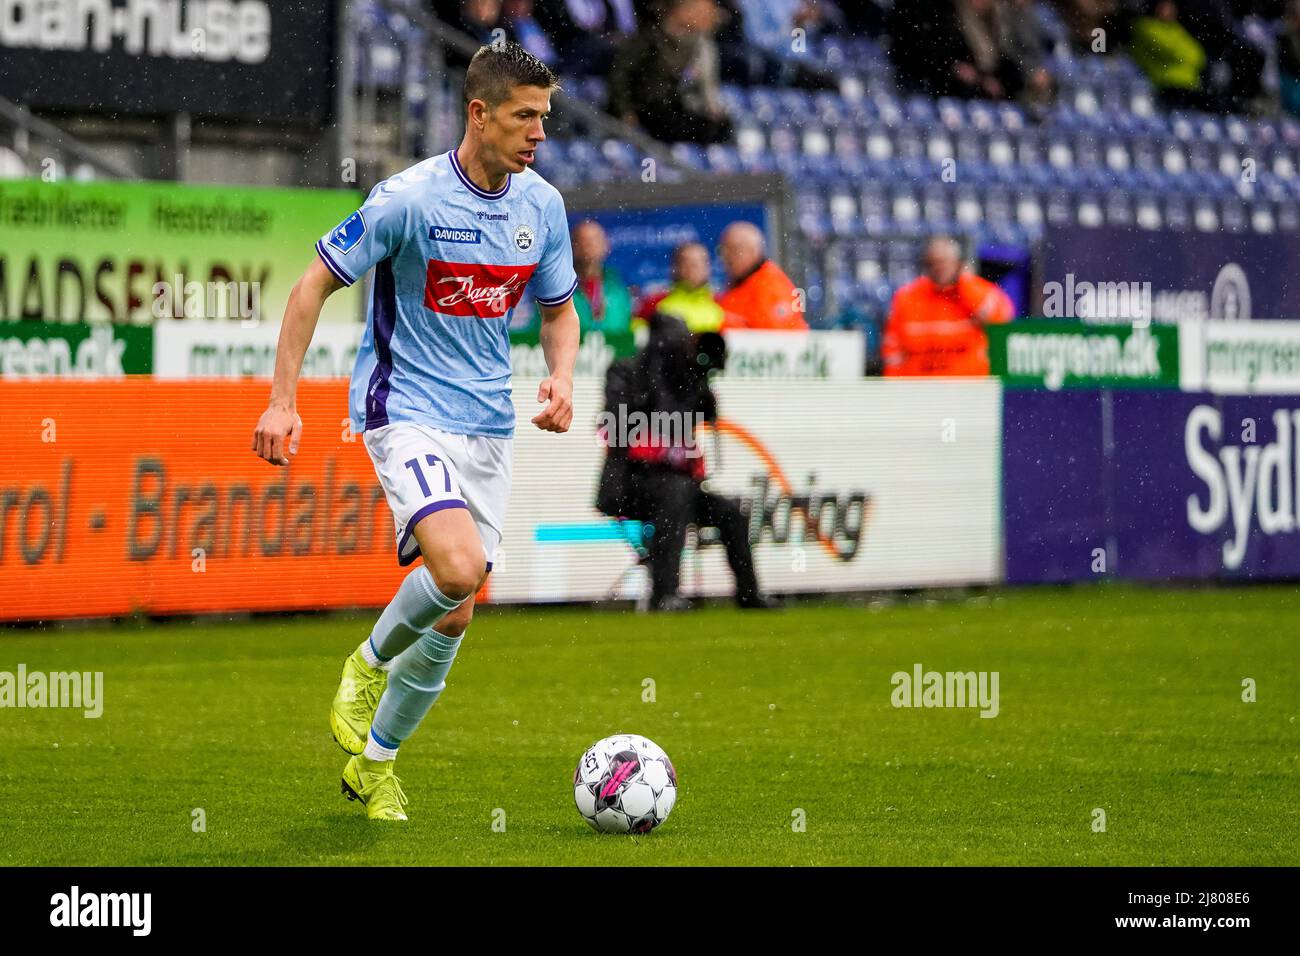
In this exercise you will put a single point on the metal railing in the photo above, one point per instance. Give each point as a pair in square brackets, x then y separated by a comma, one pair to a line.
[38, 142]
[430, 108]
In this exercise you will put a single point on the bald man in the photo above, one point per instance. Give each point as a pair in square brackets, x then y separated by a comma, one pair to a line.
[936, 322]
[760, 295]
[602, 298]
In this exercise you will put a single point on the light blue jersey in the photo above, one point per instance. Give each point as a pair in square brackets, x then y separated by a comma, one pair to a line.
[451, 261]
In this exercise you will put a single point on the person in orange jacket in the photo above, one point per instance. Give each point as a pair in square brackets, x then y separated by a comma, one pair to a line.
[936, 322]
[760, 295]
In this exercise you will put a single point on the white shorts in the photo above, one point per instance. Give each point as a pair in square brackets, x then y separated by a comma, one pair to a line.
[423, 470]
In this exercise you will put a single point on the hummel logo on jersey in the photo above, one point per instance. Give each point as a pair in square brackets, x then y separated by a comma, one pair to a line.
[348, 233]
[469, 289]
[448, 234]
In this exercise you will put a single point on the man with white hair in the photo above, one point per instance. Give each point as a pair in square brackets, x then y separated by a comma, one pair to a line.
[936, 322]
[759, 294]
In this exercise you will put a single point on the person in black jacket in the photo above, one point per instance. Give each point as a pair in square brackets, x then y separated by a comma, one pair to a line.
[656, 479]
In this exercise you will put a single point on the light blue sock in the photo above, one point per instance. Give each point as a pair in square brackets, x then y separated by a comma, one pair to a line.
[417, 607]
[415, 681]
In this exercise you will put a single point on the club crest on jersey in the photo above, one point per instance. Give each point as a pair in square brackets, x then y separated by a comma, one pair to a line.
[449, 234]
[474, 290]
[345, 236]
[523, 238]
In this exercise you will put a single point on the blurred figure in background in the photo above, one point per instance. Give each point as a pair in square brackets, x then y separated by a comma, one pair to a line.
[666, 78]
[1083, 17]
[1171, 57]
[1026, 45]
[528, 31]
[480, 19]
[657, 478]
[588, 32]
[690, 297]
[1288, 59]
[936, 322]
[747, 63]
[969, 48]
[602, 298]
[760, 295]
[1238, 83]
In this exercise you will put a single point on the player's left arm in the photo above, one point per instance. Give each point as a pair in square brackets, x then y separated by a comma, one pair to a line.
[553, 284]
[559, 338]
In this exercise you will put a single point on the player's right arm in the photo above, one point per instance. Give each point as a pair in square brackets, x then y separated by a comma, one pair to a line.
[343, 255]
[279, 429]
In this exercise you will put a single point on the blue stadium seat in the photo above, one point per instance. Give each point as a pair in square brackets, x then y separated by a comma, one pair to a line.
[1147, 213]
[1234, 215]
[1177, 211]
[723, 158]
[843, 214]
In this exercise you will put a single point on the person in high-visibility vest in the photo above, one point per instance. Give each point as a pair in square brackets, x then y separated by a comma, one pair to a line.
[936, 322]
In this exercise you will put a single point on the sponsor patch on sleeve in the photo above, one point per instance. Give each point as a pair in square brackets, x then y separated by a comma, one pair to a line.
[345, 236]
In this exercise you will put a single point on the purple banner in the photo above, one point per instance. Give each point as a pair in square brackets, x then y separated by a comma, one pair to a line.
[1174, 275]
[1150, 485]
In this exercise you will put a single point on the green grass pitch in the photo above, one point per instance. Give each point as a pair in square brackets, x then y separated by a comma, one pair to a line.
[1123, 699]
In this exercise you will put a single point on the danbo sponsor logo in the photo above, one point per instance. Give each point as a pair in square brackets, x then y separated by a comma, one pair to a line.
[474, 290]
[1246, 485]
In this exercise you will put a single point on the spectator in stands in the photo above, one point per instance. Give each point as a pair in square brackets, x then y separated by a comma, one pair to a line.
[528, 32]
[746, 64]
[925, 47]
[690, 297]
[1170, 56]
[480, 19]
[1217, 30]
[866, 18]
[968, 48]
[936, 322]
[666, 78]
[588, 32]
[771, 23]
[1083, 18]
[1288, 59]
[602, 299]
[760, 295]
[1026, 45]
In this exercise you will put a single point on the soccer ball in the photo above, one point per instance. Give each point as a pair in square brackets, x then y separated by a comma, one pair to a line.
[625, 784]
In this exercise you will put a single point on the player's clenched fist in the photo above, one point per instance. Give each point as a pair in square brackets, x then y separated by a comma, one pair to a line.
[558, 413]
[278, 433]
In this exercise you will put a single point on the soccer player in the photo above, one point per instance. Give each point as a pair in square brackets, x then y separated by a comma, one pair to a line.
[453, 241]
